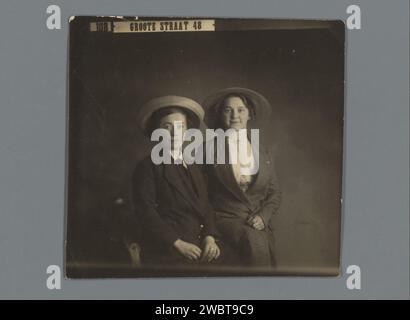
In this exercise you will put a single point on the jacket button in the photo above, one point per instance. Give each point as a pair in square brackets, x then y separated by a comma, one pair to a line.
[201, 226]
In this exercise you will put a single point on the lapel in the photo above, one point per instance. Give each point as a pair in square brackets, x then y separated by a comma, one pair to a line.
[263, 174]
[173, 177]
[224, 173]
[197, 180]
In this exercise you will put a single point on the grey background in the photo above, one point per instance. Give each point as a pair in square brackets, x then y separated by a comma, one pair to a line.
[33, 135]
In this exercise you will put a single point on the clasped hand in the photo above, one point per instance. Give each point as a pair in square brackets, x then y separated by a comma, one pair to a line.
[256, 222]
[190, 251]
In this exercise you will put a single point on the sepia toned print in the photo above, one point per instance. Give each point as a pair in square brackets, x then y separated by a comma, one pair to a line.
[204, 147]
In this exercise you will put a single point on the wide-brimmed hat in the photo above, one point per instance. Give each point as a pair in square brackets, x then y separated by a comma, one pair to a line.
[192, 107]
[261, 105]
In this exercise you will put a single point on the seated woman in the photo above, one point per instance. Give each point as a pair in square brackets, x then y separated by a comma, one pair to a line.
[244, 203]
[170, 200]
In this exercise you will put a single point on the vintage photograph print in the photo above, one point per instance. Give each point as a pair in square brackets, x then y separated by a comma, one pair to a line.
[204, 147]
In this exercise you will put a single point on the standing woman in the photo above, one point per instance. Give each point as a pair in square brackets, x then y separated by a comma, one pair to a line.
[244, 203]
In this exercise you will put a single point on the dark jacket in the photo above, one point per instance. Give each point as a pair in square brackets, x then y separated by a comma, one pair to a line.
[233, 207]
[170, 203]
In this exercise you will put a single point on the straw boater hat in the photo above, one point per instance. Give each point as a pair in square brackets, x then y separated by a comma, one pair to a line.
[261, 106]
[193, 109]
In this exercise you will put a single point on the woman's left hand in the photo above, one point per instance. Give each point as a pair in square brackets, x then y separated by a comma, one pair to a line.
[211, 250]
[257, 222]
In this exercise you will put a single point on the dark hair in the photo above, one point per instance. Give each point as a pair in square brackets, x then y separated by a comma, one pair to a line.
[156, 117]
[221, 104]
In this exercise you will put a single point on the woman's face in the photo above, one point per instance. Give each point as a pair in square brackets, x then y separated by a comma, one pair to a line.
[235, 114]
[176, 125]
